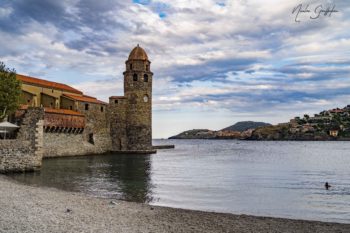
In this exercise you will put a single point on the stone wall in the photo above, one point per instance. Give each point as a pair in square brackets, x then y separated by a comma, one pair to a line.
[67, 144]
[138, 92]
[95, 139]
[117, 113]
[26, 152]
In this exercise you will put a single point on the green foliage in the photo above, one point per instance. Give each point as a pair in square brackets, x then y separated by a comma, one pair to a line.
[245, 125]
[10, 91]
[301, 122]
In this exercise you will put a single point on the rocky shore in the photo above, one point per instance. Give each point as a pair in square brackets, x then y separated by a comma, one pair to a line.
[35, 209]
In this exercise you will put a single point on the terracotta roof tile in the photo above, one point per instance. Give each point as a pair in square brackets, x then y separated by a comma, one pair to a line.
[63, 111]
[85, 98]
[117, 97]
[57, 111]
[337, 111]
[49, 84]
[138, 53]
[23, 107]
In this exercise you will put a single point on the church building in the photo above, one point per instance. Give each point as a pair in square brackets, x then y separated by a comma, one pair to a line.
[77, 124]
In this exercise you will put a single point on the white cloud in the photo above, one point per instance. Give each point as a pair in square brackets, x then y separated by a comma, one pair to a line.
[5, 12]
[237, 54]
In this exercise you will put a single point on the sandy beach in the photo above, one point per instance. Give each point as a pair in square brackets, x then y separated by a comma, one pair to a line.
[36, 209]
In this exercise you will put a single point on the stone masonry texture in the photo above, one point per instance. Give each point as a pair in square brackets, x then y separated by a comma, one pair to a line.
[25, 152]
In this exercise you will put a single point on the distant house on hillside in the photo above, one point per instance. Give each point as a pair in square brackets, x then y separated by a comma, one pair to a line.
[334, 132]
[337, 110]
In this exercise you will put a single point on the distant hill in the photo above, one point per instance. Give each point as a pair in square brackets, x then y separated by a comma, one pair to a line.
[245, 125]
[236, 131]
[196, 134]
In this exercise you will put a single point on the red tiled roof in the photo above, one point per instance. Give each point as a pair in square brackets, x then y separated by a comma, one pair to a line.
[23, 107]
[49, 84]
[117, 97]
[85, 98]
[337, 111]
[62, 111]
[57, 111]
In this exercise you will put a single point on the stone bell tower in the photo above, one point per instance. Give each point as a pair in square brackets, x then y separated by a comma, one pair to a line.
[138, 94]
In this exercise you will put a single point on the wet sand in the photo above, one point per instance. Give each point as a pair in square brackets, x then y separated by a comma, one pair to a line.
[25, 208]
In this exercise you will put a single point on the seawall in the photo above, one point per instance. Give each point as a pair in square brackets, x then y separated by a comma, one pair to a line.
[68, 144]
[26, 152]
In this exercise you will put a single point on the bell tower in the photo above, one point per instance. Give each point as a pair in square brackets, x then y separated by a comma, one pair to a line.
[138, 93]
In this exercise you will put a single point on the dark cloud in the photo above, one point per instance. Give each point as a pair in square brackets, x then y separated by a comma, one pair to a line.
[212, 70]
[41, 11]
[260, 100]
[318, 72]
[65, 16]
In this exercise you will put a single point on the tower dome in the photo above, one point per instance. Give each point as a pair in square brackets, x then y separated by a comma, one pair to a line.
[138, 53]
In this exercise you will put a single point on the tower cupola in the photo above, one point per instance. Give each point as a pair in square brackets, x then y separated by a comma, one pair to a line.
[138, 53]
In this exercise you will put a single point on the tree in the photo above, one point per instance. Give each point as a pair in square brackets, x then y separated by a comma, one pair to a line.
[10, 91]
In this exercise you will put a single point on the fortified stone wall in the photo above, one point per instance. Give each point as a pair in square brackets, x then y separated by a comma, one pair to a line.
[117, 113]
[67, 144]
[95, 139]
[24, 153]
[96, 126]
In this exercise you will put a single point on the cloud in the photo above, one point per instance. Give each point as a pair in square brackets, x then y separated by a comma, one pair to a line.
[244, 58]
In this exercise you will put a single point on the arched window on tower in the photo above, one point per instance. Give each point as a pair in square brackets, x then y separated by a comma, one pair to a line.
[130, 66]
[147, 67]
[145, 78]
[134, 77]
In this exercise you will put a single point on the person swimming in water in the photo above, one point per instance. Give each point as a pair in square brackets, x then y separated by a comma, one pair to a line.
[327, 186]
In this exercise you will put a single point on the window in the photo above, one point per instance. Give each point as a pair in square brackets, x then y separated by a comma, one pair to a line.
[71, 107]
[52, 91]
[145, 98]
[130, 66]
[115, 101]
[147, 67]
[86, 107]
[145, 78]
[102, 109]
[91, 138]
[135, 77]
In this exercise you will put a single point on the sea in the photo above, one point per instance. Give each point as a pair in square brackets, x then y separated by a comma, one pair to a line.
[262, 178]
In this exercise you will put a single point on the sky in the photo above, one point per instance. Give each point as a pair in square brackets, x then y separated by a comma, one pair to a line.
[215, 62]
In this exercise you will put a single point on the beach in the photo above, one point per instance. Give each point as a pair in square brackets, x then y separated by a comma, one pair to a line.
[27, 208]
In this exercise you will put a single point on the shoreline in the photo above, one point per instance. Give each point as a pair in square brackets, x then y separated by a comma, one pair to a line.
[26, 208]
[264, 140]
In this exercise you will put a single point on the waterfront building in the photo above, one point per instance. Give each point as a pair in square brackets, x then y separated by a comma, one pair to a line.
[77, 124]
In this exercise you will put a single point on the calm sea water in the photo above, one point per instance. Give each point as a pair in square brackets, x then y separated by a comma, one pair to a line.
[279, 179]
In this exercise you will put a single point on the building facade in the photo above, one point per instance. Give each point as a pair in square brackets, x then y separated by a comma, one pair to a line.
[77, 124]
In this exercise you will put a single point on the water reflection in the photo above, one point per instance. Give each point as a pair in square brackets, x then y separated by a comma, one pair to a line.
[279, 179]
[125, 177]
